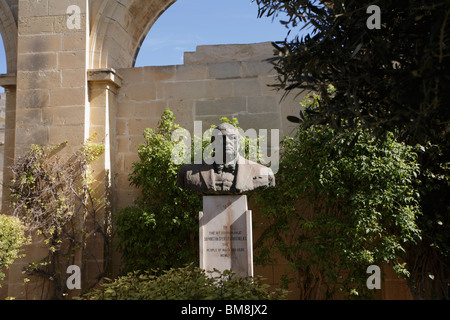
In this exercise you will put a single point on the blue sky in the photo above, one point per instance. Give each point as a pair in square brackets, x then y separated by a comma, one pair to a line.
[189, 23]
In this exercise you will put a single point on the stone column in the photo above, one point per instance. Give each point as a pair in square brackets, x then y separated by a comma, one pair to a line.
[51, 101]
[103, 87]
[8, 82]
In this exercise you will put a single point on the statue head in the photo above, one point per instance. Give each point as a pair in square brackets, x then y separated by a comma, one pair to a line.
[226, 142]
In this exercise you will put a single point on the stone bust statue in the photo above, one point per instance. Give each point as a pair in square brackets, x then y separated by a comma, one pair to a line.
[228, 172]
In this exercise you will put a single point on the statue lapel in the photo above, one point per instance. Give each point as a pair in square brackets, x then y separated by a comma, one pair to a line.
[209, 177]
[244, 178]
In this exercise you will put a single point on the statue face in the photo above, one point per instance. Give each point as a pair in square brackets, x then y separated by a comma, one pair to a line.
[231, 145]
[227, 140]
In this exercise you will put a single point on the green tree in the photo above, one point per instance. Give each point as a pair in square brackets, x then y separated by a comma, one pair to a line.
[395, 77]
[392, 79]
[343, 201]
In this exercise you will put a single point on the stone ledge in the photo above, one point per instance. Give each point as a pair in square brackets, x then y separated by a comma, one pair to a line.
[9, 79]
[229, 52]
[106, 76]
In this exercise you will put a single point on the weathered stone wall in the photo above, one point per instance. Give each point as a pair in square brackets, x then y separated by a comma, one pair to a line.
[51, 75]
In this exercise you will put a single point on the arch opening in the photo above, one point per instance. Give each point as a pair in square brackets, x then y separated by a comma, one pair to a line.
[8, 32]
[3, 64]
[189, 23]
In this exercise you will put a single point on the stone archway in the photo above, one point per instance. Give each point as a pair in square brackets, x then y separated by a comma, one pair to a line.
[8, 30]
[117, 30]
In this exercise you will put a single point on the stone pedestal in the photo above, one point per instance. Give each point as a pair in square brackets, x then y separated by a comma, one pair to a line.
[226, 234]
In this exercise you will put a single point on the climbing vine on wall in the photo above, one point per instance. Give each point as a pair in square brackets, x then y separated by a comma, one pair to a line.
[52, 194]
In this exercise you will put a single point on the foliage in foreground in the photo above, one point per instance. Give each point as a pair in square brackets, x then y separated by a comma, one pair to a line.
[12, 239]
[186, 283]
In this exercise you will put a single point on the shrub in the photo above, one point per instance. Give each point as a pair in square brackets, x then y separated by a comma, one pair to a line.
[186, 283]
[158, 231]
[12, 238]
[343, 201]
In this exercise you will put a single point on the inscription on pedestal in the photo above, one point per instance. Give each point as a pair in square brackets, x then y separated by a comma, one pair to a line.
[224, 239]
[225, 234]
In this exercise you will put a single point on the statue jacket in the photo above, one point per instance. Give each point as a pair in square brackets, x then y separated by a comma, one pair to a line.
[249, 175]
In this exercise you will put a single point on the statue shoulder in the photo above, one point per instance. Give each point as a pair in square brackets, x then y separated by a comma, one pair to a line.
[194, 168]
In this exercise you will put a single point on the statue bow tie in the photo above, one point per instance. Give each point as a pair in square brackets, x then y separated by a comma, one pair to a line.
[226, 168]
